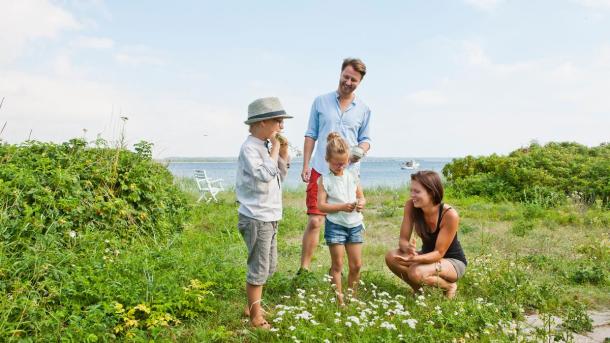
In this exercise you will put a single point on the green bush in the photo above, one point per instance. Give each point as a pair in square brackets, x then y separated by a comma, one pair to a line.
[69, 214]
[522, 227]
[541, 175]
[66, 189]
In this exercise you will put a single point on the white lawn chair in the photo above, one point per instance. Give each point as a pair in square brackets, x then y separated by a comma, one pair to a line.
[206, 185]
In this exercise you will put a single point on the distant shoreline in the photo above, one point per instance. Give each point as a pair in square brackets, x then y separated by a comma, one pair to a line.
[295, 159]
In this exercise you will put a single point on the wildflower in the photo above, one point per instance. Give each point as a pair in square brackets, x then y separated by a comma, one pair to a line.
[278, 319]
[304, 315]
[354, 319]
[274, 329]
[411, 322]
[348, 324]
[386, 325]
[72, 234]
[326, 341]
[280, 313]
[338, 314]
[291, 328]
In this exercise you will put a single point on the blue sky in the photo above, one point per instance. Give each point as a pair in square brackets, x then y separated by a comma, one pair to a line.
[445, 78]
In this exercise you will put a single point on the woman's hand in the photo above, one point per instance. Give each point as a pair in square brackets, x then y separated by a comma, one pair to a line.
[406, 261]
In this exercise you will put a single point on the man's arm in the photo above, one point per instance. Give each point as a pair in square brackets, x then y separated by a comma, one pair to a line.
[311, 135]
[308, 145]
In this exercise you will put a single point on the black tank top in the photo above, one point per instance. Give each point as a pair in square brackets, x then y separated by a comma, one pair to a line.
[429, 240]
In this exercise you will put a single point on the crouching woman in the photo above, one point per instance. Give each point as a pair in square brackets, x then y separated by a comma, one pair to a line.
[441, 261]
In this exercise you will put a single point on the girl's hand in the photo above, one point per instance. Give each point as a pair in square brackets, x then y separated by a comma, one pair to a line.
[349, 207]
[360, 204]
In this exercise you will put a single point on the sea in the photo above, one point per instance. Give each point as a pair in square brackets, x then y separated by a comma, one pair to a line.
[374, 171]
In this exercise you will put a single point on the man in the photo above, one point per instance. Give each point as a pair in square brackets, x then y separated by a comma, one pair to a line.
[338, 111]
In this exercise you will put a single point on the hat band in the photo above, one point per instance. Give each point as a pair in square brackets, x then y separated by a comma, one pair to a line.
[267, 115]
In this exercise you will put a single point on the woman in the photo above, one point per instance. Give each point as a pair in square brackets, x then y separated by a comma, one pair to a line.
[441, 262]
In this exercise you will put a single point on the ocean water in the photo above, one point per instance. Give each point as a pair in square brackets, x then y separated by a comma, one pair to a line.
[374, 172]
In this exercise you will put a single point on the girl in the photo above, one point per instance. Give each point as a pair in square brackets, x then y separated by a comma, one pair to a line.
[340, 196]
[441, 262]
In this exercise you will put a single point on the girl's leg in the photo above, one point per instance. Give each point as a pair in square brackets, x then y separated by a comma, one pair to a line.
[354, 259]
[336, 256]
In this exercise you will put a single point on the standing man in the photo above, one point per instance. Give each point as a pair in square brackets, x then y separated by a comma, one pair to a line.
[339, 111]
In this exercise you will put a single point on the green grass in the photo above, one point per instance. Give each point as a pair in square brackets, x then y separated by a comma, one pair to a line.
[552, 269]
[557, 266]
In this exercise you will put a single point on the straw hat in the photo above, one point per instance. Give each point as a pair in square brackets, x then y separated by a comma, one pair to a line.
[265, 108]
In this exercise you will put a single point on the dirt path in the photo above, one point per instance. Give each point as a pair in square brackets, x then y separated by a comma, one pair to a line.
[601, 327]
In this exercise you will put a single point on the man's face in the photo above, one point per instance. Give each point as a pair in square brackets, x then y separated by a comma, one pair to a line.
[349, 81]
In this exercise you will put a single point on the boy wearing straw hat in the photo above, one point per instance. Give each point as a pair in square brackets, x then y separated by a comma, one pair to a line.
[260, 170]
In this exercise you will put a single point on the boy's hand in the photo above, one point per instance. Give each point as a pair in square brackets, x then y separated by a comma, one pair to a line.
[360, 204]
[273, 139]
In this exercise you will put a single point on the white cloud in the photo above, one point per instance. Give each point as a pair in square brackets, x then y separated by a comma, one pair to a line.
[139, 56]
[596, 4]
[491, 107]
[485, 5]
[426, 98]
[97, 43]
[475, 56]
[27, 20]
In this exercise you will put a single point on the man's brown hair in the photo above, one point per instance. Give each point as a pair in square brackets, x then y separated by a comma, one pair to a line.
[356, 63]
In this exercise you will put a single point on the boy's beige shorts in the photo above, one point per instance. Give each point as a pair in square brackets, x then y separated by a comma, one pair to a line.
[260, 239]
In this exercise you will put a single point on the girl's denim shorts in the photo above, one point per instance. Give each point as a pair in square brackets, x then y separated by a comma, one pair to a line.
[339, 234]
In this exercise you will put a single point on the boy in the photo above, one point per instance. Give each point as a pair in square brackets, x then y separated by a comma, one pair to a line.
[259, 193]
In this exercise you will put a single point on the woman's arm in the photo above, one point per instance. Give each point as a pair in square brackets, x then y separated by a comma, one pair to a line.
[448, 230]
[324, 206]
[406, 228]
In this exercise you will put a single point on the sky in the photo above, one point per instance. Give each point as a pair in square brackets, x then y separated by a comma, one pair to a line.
[444, 78]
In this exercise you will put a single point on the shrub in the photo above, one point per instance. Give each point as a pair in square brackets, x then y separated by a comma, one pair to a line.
[540, 175]
[65, 189]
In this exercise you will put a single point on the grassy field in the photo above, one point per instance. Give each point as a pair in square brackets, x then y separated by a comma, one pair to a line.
[523, 259]
[115, 281]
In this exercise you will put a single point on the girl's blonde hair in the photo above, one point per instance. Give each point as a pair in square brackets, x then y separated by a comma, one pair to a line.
[335, 145]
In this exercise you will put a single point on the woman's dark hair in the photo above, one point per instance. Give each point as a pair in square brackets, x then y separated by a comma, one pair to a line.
[431, 182]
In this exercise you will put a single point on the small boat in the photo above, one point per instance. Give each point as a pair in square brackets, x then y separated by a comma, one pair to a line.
[410, 164]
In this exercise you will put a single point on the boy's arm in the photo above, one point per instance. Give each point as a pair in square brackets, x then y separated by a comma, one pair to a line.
[263, 168]
[324, 206]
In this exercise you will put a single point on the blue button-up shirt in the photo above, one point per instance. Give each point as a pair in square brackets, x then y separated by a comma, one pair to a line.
[326, 117]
